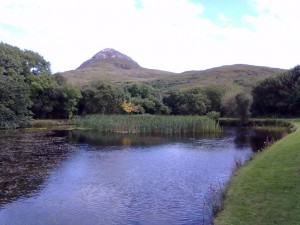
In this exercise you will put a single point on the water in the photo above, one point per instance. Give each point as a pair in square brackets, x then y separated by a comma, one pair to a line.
[83, 177]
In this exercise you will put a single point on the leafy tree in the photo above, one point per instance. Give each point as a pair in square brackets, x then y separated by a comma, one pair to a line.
[228, 103]
[243, 103]
[237, 104]
[51, 97]
[44, 92]
[69, 100]
[147, 99]
[193, 102]
[151, 105]
[214, 93]
[14, 103]
[129, 107]
[101, 98]
[171, 100]
[279, 95]
[21, 62]
[140, 91]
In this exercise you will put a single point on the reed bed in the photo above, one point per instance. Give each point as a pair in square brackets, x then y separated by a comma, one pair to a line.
[148, 124]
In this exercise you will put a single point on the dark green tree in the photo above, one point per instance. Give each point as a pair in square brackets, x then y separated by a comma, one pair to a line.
[137, 90]
[214, 93]
[44, 92]
[188, 102]
[171, 100]
[147, 99]
[70, 96]
[151, 106]
[279, 95]
[101, 98]
[14, 103]
[193, 102]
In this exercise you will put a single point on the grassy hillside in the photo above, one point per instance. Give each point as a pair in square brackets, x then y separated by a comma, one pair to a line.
[112, 66]
[238, 75]
[110, 73]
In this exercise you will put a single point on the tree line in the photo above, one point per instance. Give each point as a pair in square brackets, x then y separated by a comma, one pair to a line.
[29, 90]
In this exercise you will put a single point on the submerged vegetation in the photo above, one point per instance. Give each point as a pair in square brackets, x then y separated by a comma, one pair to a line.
[148, 124]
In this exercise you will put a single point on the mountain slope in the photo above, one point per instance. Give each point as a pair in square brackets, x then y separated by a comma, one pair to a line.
[112, 66]
[239, 74]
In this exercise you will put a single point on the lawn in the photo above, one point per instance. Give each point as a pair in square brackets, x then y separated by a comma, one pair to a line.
[267, 189]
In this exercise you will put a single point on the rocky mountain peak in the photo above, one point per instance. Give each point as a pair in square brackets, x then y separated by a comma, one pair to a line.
[111, 56]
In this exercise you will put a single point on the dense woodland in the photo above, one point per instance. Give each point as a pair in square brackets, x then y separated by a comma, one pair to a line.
[28, 90]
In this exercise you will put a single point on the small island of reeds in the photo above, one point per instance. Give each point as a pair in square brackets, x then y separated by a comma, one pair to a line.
[148, 124]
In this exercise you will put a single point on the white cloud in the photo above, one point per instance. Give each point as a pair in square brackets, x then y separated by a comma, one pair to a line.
[224, 18]
[275, 32]
[170, 34]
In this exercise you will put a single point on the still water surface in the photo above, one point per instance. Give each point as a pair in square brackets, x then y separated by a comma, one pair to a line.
[85, 178]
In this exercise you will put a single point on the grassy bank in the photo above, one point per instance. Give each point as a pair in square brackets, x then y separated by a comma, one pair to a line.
[148, 124]
[267, 189]
[49, 124]
[253, 122]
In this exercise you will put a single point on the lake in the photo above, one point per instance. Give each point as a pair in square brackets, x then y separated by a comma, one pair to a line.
[87, 178]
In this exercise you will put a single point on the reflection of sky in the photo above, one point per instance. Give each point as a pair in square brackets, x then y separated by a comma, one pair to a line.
[161, 184]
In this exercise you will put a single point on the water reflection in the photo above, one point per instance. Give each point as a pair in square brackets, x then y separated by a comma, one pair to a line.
[256, 137]
[101, 139]
[83, 177]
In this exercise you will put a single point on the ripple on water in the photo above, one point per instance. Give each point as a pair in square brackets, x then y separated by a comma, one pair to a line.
[167, 183]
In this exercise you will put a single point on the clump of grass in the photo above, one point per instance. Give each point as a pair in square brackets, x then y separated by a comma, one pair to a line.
[148, 124]
[213, 202]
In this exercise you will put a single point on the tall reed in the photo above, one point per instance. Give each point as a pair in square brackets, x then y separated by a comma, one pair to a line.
[148, 124]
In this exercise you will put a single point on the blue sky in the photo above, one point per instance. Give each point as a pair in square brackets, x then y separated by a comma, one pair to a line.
[232, 10]
[173, 35]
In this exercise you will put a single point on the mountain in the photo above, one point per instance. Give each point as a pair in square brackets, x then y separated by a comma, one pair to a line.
[112, 66]
[110, 56]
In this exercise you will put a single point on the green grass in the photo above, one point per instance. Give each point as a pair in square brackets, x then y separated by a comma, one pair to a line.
[255, 122]
[267, 190]
[148, 124]
[45, 124]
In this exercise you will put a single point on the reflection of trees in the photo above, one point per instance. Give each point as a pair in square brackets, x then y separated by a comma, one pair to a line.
[255, 138]
[26, 159]
[100, 139]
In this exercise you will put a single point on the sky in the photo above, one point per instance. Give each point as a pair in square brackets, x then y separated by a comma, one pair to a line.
[171, 35]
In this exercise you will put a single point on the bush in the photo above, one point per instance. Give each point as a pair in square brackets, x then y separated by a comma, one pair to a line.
[213, 115]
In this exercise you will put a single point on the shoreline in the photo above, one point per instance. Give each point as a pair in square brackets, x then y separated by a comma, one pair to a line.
[266, 190]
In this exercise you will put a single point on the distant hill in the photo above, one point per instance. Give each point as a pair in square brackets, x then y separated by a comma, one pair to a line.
[112, 66]
[239, 75]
